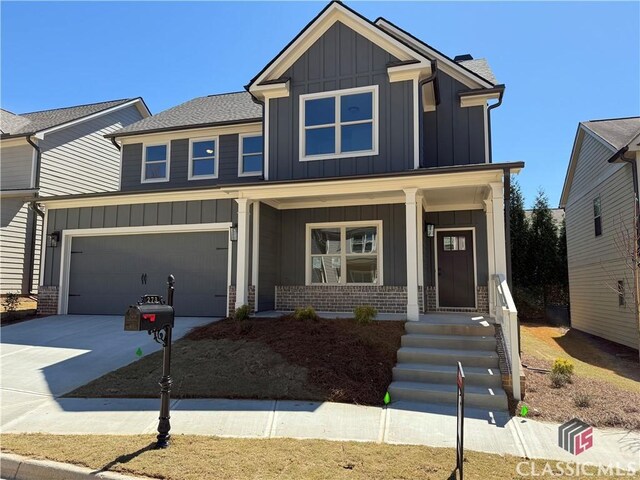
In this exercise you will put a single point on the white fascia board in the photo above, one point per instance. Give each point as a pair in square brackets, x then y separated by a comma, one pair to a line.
[27, 193]
[445, 64]
[401, 73]
[41, 134]
[478, 100]
[271, 90]
[335, 12]
[14, 142]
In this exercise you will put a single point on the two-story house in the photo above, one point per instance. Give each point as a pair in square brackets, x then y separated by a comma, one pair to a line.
[51, 153]
[355, 169]
[600, 198]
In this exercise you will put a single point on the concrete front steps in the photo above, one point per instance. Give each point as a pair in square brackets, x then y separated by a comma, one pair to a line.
[427, 363]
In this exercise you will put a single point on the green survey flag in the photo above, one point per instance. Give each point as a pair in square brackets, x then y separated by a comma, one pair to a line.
[524, 410]
[387, 398]
[139, 352]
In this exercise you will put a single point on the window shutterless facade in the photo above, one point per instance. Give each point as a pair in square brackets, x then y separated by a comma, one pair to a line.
[155, 163]
[203, 158]
[250, 157]
[339, 124]
[346, 253]
[597, 217]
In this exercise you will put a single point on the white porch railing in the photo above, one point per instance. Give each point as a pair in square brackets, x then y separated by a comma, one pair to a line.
[507, 317]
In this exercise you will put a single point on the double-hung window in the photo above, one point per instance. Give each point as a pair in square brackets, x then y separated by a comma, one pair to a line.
[338, 124]
[597, 217]
[345, 253]
[155, 163]
[250, 155]
[203, 158]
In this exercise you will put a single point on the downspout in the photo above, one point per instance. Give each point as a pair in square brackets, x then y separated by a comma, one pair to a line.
[436, 93]
[489, 108]
[35, 208]
[115, 143]
[261, 103]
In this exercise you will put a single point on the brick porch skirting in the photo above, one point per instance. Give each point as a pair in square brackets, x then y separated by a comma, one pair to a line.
[482, 295]
[505, 367]
[344, 298]
[232, 298]
[48, 300]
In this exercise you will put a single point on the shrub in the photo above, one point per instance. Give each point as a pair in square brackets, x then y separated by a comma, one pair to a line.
[558, 380]
[582, 400]
[305, 313]
[563, 367]
[242, 313]
[11, 301]
[365, 314]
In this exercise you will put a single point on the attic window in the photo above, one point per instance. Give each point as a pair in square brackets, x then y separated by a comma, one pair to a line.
[339, 124]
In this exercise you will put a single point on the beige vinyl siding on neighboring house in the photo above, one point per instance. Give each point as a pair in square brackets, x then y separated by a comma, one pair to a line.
[16, 166]
[595, 264]
[12, 244]
[78, 159]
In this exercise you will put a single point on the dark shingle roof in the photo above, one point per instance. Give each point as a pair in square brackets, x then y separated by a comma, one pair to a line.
[223, 109]
[618, 132]
[480, 67]
[30, 123]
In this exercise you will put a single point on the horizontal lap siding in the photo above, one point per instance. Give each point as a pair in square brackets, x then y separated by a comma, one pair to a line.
[293, 238]
[168, 213]
[78, 159]
[596, 263]
[16, 166]
[342, 59]
[13, 245]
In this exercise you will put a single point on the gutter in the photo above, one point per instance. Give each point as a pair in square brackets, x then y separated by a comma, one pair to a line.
[436, 93]
[489, 108]
[39, 213]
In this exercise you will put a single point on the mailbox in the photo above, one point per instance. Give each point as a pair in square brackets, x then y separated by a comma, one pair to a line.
[148, 316]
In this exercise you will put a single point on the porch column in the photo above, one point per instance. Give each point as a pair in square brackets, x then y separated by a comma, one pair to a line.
[242, 270]
[488, 208]
[413, 311]
[420, 234]
[499, 238]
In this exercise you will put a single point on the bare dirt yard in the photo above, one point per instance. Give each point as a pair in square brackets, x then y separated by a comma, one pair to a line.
[605, 387]
[335, 360]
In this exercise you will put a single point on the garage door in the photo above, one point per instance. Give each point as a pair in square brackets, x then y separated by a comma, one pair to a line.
[109, 273]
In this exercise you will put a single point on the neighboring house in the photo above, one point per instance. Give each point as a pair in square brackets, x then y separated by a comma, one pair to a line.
[355, 169]
[599, 199]
[45, 154]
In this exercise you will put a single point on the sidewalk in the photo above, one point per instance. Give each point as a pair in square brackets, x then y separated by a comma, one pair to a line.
[398, 424]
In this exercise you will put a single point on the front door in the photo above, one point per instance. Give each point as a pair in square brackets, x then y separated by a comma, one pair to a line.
[456, 278]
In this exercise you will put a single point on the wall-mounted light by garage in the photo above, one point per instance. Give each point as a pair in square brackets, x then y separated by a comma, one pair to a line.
[430, 229]
[52, 239]
[233, 233]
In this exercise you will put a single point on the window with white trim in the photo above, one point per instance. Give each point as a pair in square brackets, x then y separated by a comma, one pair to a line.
[347, 254]
[155, 164]
[250, 155]
[597, 216]
[203, 158]
[338, 124]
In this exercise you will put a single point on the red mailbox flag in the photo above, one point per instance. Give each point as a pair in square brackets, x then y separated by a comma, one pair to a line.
[149, 316]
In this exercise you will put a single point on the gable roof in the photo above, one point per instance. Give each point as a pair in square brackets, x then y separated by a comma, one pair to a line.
[614, 133]
[480, 66]
[333, 12]
[31, 123]
[222, 109]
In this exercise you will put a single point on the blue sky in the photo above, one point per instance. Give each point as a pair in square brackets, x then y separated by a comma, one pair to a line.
[561, 62]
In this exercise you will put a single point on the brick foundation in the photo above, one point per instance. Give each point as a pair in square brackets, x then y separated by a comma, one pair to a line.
[505, 368]
[344, 298]
[483, 301]
[232, 298]
[48, 300]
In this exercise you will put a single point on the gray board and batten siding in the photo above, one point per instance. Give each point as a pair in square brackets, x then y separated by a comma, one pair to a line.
[179, 166]
[147, 214]
[340, 59]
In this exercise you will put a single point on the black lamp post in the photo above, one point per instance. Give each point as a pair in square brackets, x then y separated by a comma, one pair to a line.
[164, 336]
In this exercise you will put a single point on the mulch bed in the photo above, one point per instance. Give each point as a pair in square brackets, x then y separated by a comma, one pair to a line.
[346, 361]
[609, 406]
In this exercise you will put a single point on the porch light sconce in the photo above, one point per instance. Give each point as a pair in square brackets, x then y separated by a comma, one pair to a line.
[430, 228]
[52, 239]
[233, 233]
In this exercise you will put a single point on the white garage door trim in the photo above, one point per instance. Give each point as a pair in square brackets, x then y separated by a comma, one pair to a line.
[67, 240]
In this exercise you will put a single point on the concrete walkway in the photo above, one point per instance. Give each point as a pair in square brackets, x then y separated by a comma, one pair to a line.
[45, 358]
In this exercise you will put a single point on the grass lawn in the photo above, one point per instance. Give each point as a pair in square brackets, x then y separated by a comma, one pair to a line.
[606, 381]
[202, 458]
[281, 358]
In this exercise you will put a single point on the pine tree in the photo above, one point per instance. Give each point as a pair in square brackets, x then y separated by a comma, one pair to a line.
[519, 237]
[543, 246]
[563, 267]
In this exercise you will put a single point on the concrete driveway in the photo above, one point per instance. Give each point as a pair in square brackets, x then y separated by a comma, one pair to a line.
[45, 358]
